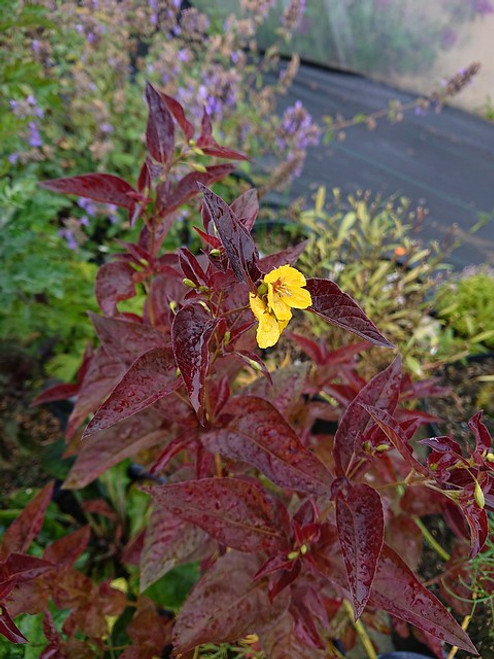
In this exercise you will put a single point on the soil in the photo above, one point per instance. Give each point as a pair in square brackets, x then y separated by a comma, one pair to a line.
[24, 431]
[469, 393]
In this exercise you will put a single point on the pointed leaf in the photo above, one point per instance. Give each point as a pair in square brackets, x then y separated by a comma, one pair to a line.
[285, 390]
[396, 435]
[397, 591]
[68, 548]
[208, 144]
[381, 392]
[178, 112]
[336, 307]
[160, 130]
[151, 377]
[57, 392]
[26, 527]
[169, 541]
[9, 629]
[192, 331]
[288, 256]
[109, 447]
[127, 340]
[221, 608]
[187, 187]
[103, 373]
[259, 435]
[483, 439]
[477, 523]
[279, 639]
[105, 188]
[144, 180]
[360, 523]
[246, 208]
[114, 283]
[236, 513]
[237, 241]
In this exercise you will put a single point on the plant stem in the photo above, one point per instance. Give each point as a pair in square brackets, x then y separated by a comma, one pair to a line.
[464, 626]
[361, 631]
[431, 540]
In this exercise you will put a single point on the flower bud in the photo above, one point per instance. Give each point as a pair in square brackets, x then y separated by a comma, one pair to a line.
[189, 283]
[199, 168]
[478, 495]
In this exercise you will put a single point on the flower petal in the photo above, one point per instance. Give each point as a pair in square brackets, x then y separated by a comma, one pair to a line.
[269, 330]
[257, 305]
[277, 304]
[299, 298]
[287, 274]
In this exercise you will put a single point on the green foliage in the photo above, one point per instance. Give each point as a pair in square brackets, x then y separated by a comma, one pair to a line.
[367, 246]
[46, 289]
[466, 305]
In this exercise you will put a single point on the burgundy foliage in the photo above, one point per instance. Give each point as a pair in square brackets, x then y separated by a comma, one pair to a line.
[288, 520]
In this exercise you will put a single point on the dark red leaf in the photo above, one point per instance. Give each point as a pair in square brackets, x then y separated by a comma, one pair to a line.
[144, 180]
[210, 147]
[114, 283]
[191, 267]
[105, 188]
[405, 538]
[285, 390]
[289, 256]
[169, 541]
[103, 373]
[236, 513]
[259, 435]
[166, 288]
[149, 631]
[68, 548]
[57, 392]
[443, 444]
[396, 435]
[254, 361]
[477, 522]
[483, 439]
[19, 568]
[246, 208]
[178, 112]
[109, 447]
[221, 608]
[335, 307]
[188, 187]
[280, 640]
[160, 130]
[9, 629]
[237, 241]
[127, 340]
[151, 377]
[381, 392]
[25, 528]
[192, 331]
[397, 591]
[360, 523]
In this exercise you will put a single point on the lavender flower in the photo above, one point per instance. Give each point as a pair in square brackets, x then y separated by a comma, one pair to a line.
[69, 237]
[293, 14]
[296, 129]
[34, 136]
[88, 206]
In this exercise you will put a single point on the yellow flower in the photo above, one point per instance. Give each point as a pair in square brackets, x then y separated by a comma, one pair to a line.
[281, 291]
